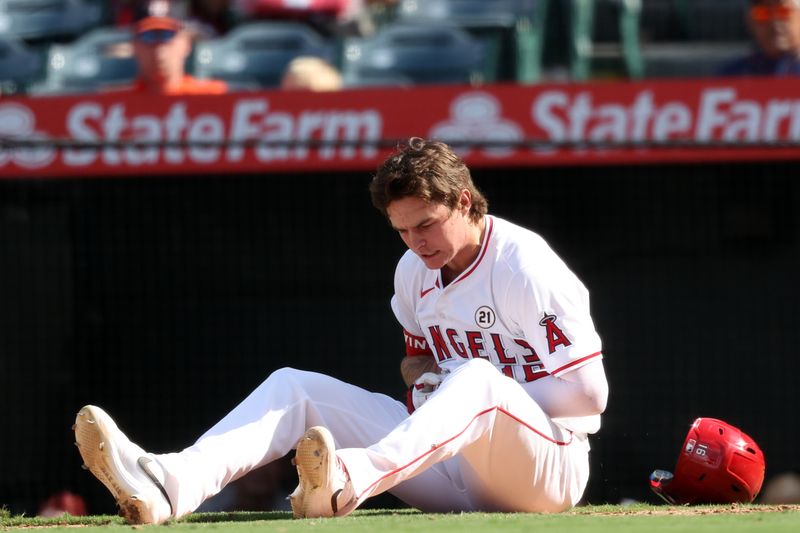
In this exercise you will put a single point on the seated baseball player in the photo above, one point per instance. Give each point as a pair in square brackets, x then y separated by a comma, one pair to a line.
[502, 359]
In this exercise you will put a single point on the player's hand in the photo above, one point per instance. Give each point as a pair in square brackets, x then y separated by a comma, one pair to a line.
[423, 387]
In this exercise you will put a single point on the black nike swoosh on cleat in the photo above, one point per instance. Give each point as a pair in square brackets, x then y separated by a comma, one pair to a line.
[144, 464]
[334, 503]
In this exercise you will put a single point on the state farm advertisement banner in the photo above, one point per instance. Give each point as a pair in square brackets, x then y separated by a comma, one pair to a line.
[492, 126]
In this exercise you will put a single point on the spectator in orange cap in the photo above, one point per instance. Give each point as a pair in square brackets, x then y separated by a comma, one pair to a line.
[161, 45]
[775, 28]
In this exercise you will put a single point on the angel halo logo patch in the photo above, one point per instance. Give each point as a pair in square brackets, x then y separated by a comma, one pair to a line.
[485, 317]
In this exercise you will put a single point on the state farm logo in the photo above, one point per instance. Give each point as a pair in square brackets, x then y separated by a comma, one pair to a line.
[477, 117]
[117, 135]
[562, 118]
[719, 114]
[17, 122]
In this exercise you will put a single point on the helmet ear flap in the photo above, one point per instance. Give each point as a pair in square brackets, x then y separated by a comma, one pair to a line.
[659, 480]
[718, 464]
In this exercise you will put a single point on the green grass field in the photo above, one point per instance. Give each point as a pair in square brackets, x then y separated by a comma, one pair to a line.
[612, 518]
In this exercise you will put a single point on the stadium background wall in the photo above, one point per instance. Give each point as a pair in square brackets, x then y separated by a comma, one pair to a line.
[167, 299]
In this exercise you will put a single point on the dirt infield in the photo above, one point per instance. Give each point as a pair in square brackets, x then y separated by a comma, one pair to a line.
[685, 510]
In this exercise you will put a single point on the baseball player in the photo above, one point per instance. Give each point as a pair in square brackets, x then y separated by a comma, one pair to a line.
[502, 360]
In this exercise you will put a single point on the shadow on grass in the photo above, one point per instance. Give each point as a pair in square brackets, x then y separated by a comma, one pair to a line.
[7, 520]
[237, 516]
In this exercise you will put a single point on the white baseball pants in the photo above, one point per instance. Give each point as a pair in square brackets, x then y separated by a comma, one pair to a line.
[479, 443]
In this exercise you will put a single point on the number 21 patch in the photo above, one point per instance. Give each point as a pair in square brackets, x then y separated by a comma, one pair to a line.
[485, 317]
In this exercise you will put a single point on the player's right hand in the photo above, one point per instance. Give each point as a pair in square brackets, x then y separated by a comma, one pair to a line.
[423, 387]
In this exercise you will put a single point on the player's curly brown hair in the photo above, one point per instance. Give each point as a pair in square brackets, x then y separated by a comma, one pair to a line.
[429, 170]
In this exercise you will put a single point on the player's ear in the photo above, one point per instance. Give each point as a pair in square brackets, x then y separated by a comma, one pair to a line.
[465, 201]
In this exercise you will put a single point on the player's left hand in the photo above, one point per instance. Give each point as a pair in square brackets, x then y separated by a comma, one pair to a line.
[423, 387]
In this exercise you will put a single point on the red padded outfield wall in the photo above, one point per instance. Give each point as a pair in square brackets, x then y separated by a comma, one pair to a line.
[599, 123]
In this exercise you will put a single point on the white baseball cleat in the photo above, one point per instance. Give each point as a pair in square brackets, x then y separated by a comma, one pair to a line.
[324, 489]
[133, 476]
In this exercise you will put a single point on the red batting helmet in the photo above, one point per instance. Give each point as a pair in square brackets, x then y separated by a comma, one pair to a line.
[718, 464]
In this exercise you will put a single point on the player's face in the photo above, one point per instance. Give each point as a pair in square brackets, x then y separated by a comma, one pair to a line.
[441, 237]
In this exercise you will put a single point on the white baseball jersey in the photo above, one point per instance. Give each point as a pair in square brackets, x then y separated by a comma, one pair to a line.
[517, 305]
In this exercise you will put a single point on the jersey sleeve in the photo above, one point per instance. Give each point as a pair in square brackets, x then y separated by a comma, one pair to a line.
[403, 306]
[550, 306]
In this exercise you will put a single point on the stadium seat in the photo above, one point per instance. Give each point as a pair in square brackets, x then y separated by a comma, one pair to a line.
[695, 60]
[684, 38]
[422, 53]
[713, 20]
[375, 79]
[19, 65]
[103, 58]
[257, 53]
[48, 20]
[511, 31]
[586, 37]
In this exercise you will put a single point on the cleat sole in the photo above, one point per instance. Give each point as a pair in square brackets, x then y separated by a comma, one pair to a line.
[314, 470]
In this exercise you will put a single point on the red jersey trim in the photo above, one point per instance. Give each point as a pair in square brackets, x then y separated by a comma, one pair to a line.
[423, 292]
[575, 362]
[437, 446]
[489, 227]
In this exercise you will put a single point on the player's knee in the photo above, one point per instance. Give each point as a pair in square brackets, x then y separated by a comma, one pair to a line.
[479, 370]
[481, 375]
[287, 376]
[284, 373]
[301, 382]
[479, 365]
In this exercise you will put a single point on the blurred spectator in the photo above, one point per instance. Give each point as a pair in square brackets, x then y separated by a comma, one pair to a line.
[212, 18]
[328, 17]
[126, 12]
[62, 502]
[161, 45]
[380, 12]
[775, 28]
[309, 73]
[782, 489]
[357, 18]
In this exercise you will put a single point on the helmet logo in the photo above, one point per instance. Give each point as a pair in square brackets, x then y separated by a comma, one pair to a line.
[690, 445]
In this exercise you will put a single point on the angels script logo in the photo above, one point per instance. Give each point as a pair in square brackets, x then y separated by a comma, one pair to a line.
[17, 122]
